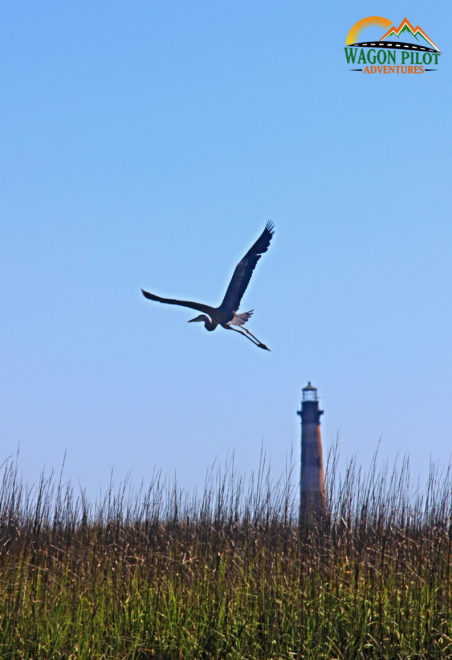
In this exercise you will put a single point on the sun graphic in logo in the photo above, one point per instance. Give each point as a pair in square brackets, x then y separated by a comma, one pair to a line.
[379, 21]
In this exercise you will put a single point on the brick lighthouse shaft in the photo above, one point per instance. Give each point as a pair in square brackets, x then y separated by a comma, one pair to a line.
[312, 477]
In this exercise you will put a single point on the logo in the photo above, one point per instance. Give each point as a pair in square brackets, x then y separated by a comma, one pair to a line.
[404, 49]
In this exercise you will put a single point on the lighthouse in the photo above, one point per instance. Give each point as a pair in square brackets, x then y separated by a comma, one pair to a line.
[312, 477]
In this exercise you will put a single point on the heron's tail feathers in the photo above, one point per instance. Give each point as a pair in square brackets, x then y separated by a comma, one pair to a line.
[241, 319]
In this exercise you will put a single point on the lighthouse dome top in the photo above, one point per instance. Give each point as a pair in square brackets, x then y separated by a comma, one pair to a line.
[309, 392]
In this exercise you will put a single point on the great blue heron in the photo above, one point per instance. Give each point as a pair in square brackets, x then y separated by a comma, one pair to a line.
[226, 314]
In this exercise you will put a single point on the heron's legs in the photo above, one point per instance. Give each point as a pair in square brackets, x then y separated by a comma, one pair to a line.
[250, 333]
[242, 333]
[255, 341]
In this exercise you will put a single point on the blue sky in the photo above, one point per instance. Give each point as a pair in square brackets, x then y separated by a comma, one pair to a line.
[146, 146]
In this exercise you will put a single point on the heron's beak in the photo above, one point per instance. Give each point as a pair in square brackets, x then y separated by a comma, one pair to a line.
[197, 318]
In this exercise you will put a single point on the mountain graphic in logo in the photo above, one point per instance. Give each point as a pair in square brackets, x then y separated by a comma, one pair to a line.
[408, 33]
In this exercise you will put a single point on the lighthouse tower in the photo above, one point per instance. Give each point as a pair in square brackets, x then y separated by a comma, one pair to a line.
[312, 478]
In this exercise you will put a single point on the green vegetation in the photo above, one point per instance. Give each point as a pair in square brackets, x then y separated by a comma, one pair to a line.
[227, 574]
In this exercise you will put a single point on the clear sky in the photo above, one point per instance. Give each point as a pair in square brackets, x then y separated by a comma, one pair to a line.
[146, 144]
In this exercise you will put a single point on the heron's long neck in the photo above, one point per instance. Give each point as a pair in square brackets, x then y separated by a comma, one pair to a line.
[210, 325]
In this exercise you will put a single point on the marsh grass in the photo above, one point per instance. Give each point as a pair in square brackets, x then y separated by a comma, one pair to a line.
[227, 573]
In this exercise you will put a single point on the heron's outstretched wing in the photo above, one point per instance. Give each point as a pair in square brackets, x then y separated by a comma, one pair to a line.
[183, 303]
[244, 270]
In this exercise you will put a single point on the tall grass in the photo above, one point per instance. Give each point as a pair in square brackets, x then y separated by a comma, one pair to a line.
[227, 573]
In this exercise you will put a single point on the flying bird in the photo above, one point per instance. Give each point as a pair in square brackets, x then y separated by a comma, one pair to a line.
[227, 314]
